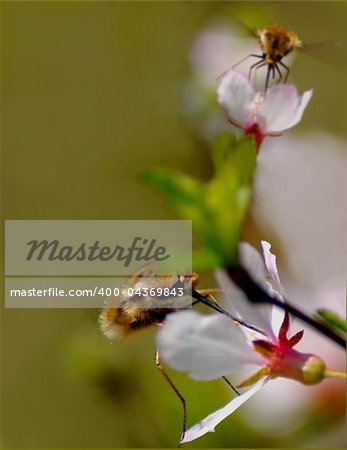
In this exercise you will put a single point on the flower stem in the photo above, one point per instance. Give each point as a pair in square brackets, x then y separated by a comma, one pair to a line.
[335, 374]
[256, 294]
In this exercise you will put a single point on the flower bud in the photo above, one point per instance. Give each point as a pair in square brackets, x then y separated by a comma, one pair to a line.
[313, 370]
[302, 367]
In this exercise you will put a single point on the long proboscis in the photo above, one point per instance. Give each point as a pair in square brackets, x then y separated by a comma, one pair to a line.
[200, 298]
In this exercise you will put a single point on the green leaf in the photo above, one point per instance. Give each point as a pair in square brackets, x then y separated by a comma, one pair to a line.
[183, 193]
[333, 319]
[177, 187]
[217, 208]
[204, 259]
[229, 192]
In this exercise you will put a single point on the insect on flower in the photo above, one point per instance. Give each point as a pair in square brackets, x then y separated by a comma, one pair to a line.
[136, 312]
[148, 300]
[152, 298]
[276, 42]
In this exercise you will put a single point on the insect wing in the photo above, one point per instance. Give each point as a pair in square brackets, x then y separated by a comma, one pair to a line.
[332, 52]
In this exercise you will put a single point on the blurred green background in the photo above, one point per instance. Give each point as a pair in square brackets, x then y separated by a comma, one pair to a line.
[91, 94]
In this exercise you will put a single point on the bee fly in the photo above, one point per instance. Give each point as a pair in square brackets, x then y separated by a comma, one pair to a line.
[137, 312]
[276, 42]
[128, 316]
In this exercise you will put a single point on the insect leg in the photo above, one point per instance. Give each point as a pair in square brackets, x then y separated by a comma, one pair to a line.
[256, 65]
[210, 291]
[263, 63]
[244, 59]
[230, 385]
[168, 379]
[279, 72]
[287, 69]
[235, 65]
[268, 76]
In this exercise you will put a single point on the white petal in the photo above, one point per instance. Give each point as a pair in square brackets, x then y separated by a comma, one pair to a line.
[271, 266]
[257, 315]
[210, 422]
[251, 260]
[277, 316]
[281, 108]
[303, 102]
[236, 95]
[205, 346]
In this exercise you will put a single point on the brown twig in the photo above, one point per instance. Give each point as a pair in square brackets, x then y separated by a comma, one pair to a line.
[256, 294]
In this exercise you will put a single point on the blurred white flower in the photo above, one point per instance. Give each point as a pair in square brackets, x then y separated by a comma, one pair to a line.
[258, 113]
[299, 203]
[217, 48]
[208, 347]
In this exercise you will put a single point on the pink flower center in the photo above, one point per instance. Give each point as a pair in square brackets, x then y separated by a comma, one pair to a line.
[288, 363]
[254, 130]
